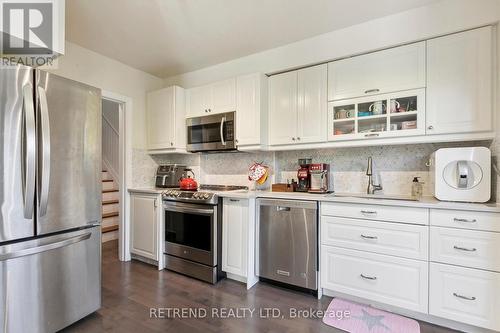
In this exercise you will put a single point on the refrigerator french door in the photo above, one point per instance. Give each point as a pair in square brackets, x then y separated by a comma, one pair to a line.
[50, 192]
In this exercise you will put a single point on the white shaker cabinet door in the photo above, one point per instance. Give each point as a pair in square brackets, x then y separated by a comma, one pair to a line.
[459, 83]
[223, 96]
[144, 209]
[161, 118]
[283, 108]
[395, 69]
[198, 101]
[249, 108]
[312, 104]
[235, 236]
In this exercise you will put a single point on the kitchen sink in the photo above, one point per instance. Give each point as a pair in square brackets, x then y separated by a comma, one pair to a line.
[376, 196]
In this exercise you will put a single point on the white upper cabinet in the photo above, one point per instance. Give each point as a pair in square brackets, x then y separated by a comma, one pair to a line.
[283, 108]
[298, 106]
[312, 104]
[218, 97]
[399, 68]
[198, 101]
[224, 96]
[459, 83]
[166, 119]
[251, 104]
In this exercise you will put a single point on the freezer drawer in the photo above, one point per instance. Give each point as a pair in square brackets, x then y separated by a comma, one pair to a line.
[49, 283]
[288, 242]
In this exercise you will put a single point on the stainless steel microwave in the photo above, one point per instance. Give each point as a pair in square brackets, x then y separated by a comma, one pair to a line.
[211, 133]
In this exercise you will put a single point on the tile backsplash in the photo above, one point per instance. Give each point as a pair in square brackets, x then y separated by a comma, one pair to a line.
[394, 166]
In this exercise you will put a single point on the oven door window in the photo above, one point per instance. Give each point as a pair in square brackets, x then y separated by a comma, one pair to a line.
[194, 230]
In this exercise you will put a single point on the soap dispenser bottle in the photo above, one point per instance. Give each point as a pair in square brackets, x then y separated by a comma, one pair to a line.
[416, 188]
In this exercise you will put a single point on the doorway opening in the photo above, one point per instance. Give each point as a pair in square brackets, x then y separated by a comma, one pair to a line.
[111, 177]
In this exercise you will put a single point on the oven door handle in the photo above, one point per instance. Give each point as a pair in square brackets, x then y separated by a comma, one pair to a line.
[188, 210]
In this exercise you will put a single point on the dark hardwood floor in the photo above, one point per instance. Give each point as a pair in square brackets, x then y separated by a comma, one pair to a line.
[130, 289]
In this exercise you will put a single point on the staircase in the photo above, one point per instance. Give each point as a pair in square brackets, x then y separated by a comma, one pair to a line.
[110, 207]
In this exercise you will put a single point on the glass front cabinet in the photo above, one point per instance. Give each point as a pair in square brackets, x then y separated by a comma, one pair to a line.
[380, 116]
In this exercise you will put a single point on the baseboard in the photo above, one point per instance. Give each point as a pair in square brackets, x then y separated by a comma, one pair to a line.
[143, 259]
[235, 277]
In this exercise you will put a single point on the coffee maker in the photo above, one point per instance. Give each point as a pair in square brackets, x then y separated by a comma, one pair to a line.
[320, 173]
[303, 176]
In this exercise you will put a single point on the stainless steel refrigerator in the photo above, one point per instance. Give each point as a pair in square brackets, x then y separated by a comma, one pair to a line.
[50, 196]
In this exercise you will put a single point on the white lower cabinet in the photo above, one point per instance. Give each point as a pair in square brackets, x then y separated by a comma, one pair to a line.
[145, 215]
[386, 279]
[469, 248]
[235, 236]
[397, 239]
[467, 295]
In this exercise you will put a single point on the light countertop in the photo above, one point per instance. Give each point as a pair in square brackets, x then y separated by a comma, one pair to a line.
[425, 202]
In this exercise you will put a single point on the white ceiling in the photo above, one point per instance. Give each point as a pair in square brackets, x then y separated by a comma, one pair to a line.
[169, 37]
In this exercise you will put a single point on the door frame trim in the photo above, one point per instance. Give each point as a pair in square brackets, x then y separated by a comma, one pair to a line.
[125, 169]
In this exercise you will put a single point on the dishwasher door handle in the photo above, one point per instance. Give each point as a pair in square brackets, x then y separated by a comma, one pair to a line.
[282, 209]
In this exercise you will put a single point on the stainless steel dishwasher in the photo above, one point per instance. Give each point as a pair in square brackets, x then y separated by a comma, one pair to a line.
[288, 242]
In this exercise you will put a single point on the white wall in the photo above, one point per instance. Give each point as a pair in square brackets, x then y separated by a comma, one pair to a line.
[86, 66]
[439, 18]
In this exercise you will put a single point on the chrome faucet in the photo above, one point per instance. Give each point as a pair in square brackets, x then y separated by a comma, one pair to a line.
[369, 172]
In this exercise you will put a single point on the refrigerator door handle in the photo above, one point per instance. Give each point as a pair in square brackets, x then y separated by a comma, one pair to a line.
[28, 160]
[44, 167]
[45, 247]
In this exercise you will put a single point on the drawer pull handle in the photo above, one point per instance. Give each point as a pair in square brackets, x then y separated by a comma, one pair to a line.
[464, 249]
[368, 212]
[464, 297]
[234, 200]
[371, 91]
[371, 135]
[368, 237]
[464, 220]
[368, 277]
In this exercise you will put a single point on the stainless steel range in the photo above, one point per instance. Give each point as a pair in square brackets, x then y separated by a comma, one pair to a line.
[193, 229]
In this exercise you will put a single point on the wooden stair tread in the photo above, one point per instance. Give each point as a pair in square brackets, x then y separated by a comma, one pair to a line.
[112, 214]
[109, 191]
[109, 202]
[109, 229]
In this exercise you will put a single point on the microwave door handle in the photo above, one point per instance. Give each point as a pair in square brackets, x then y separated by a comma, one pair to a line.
[44, 171]
[222, 131]
[28, 160]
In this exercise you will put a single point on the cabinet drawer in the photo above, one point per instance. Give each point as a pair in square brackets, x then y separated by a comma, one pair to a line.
[466, 295]
[377, 212]
[397, 239]
[395, 281]
[477, 249]
[465, 219]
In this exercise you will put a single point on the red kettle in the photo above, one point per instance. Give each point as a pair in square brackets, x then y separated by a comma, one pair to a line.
[186, 182]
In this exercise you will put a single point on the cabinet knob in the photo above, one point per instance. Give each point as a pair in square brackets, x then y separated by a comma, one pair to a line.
[298, 138]
[430, 127]
[171, 143]
[236, 140]
[206, 110]
[293, 139]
